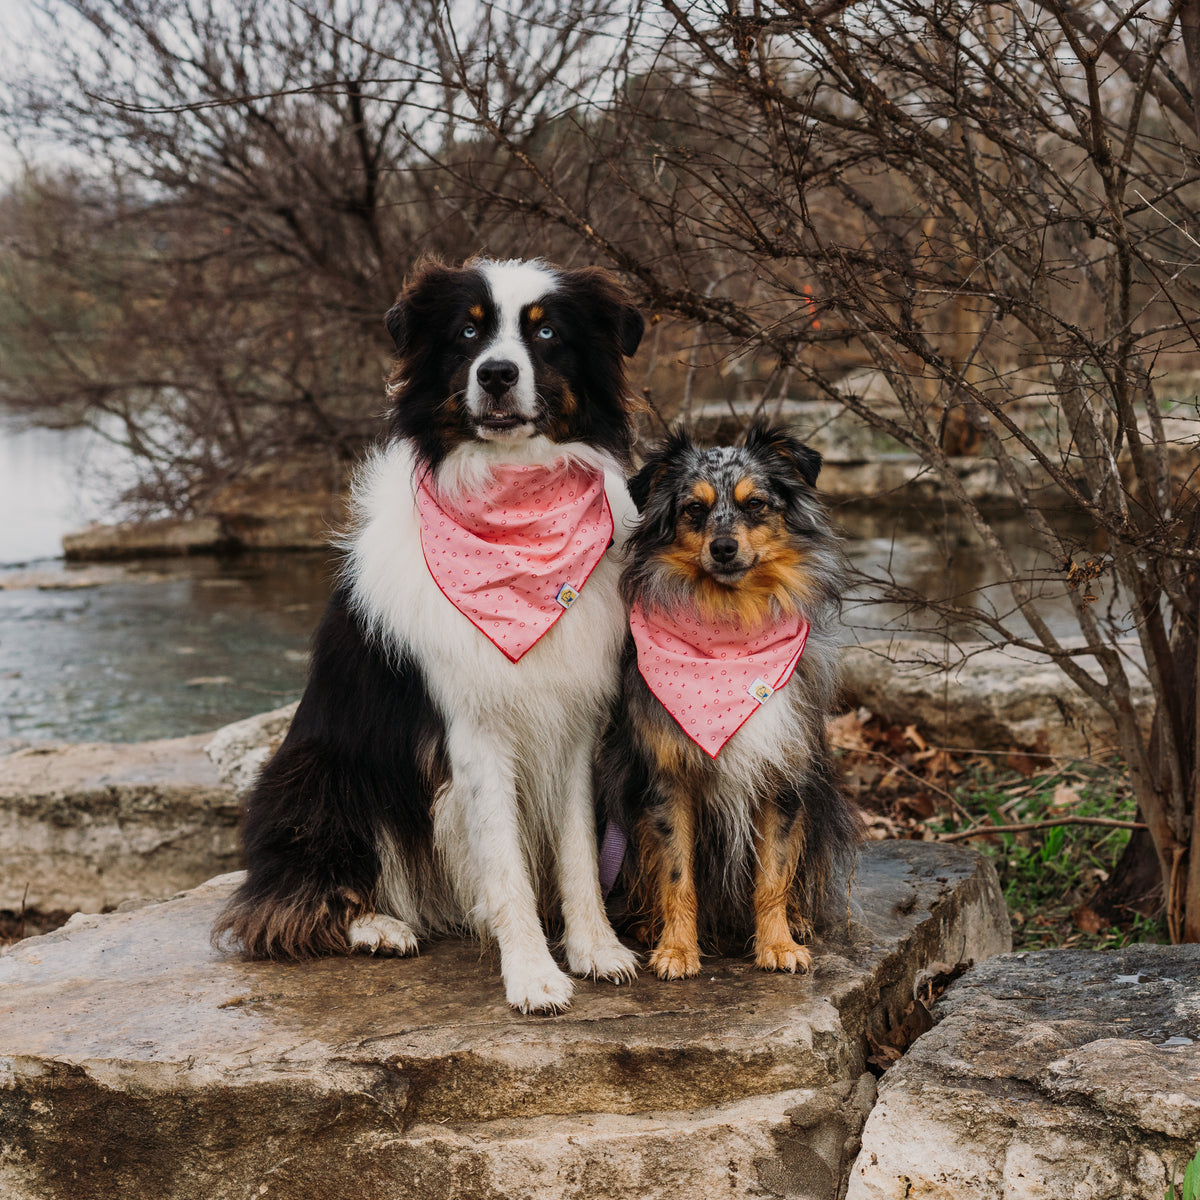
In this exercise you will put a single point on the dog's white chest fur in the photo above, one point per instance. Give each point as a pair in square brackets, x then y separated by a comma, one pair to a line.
[566, 676]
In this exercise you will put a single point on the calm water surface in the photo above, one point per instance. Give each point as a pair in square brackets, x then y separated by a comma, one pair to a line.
[162, 648]
[177, 646]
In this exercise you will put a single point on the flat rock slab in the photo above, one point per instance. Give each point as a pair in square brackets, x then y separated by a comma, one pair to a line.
[975, 697]
[1064, 1073]
[92, 825]
[135, 1060]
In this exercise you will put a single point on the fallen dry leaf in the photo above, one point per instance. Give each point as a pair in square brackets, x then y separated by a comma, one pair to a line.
[1087, 921]
[1064, 797]
[846, 732]
[1024, 764]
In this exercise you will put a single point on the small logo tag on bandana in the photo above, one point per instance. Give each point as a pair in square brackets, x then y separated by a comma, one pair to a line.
[567, 595]
[760, 689]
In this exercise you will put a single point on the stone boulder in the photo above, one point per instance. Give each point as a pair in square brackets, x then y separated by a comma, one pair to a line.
[136, 1060]
[143, 539]
[1062, 1073]
[90, 826]
[240, 750]
[974, 697]
[290, 504]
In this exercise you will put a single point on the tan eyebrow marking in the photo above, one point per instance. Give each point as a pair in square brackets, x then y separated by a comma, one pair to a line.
[536, 312]
[476, 311]
[705, 492]
[743, 490]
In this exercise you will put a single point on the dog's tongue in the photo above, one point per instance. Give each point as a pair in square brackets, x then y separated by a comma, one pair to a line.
[513, 556]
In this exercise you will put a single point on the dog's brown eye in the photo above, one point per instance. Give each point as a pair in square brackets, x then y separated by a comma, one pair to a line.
[695, 509]
[754, 504]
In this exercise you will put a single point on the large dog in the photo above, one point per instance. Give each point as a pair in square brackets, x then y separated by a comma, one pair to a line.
[438, 773]
[717, 764]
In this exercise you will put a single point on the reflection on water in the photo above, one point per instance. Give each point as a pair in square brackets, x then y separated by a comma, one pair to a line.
[53, 481]
[936, 554]
[158, 655]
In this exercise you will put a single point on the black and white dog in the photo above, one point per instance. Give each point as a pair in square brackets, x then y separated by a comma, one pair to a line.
[437, 774]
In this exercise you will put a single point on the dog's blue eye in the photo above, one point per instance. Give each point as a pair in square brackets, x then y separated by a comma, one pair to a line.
[545, 333]
[469, 331]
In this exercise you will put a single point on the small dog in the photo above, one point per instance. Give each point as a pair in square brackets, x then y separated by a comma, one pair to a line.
[442, 753]
[717, 763]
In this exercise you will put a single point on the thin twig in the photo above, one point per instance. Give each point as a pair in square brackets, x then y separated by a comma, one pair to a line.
[896, 766]
[983, 830]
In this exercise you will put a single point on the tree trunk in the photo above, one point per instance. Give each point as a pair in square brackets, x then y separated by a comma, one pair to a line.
[1135, 885]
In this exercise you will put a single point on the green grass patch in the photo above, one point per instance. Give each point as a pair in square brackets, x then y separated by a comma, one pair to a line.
[1048, 874]
[1189, 1189]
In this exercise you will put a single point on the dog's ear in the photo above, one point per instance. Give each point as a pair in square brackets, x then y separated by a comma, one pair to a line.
[396, 320]
[603, 295]
[657, 465]
[429, 280]
[774, 439]
[630, 327]
[642, 485]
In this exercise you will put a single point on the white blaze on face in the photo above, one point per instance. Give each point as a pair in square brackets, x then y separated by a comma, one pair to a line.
[514, 287]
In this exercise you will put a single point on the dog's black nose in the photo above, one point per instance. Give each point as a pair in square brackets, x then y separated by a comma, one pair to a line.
[723, 549]
[496, 375]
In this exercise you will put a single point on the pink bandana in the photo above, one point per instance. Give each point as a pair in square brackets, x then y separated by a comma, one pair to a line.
[713, 678]
[513, 559]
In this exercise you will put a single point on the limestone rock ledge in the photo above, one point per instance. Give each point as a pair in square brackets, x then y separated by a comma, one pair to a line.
[135, 1060]
[93, 825]
[972, 696]
[1060, 1073]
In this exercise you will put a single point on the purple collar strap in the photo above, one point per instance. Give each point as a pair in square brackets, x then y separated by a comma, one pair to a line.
[612, 854]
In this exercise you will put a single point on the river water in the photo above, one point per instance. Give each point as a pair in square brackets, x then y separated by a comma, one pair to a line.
[156, 649]
[177, 646]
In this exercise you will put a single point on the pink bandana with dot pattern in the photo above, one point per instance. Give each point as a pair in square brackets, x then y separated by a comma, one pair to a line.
[513, 559]
[713, 678]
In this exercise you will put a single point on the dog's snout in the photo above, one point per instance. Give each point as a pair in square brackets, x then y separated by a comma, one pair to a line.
[723, 549]
[497, 375]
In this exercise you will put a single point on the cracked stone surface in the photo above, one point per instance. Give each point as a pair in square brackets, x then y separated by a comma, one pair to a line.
[241, 750]
[92, 825]
[136, 1060]
[1060, 1073]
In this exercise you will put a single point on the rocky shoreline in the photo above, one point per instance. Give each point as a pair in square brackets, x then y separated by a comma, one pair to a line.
[413, 1073]
[87, 827]
[294, 506]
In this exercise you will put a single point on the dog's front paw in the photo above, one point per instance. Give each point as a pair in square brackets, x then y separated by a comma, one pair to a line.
[605, 960]
[544, 991]
[783, 956]
[675, 962]
[378, 934]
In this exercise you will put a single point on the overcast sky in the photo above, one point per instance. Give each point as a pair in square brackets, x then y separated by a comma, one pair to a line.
[16, 15]
[16, 55]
